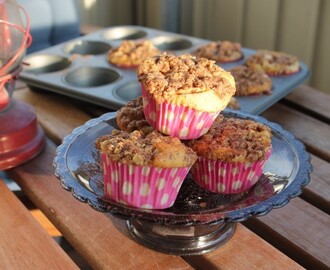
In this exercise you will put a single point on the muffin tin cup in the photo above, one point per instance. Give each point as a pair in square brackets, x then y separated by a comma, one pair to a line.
[46, 63]
[227, 177]
[124, 33]
[172, 43]
[87, 47]
[177, 121]
[141, 186]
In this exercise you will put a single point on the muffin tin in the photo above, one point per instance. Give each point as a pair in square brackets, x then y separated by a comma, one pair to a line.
[79, 68]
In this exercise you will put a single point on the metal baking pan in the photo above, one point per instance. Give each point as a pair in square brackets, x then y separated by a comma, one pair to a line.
[79, 68]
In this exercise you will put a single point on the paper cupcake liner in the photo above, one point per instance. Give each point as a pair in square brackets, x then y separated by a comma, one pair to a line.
[227, 177]
[142, 186]
[174, 120]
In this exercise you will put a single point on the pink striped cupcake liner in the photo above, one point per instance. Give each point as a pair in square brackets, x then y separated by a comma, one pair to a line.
[227, 177]
[174, 120]
[141, 186]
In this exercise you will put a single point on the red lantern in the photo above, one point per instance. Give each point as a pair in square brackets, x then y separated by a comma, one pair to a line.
[20, 136]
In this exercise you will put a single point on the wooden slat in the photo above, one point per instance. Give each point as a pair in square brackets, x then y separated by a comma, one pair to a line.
[96, 235]
[45, 223]
[321, 66]
[226, 20]
[311, 131]
[243, 252]
[24, 243]
[310, 101]
[317, 192]
[260, 24]
[316, 104]
[103, 241]
[59, 211]
[297, 30]
[299, 230]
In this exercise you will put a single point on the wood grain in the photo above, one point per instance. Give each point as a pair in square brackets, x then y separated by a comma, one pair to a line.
[299, 230]
[244, 251]
[317, 192]
[104, 241]
[312, 132]
[24, 243]
[46, 191]
[310, 101]
[45, 223]
[257, 13]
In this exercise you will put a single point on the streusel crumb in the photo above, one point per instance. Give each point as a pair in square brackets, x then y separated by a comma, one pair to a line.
[168, 76]
[220, 51]
[250, 81]
[153, 149]
[234, 140]
[132, 53]
[274, 63]
[131, 117]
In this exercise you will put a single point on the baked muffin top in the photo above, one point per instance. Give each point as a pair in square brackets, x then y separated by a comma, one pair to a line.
[220, 51]
[273, 63]
[234, 140]
[153, 149]
[187, 80]
[250, 81]
[132, 53]
[131, 117]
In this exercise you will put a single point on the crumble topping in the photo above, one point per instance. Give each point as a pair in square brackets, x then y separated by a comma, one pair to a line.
[131, 117]
[132, 53]
[165, 76]
[234, 140]
[274, 63]
[220, 51]
[153, 149]
[250, 81]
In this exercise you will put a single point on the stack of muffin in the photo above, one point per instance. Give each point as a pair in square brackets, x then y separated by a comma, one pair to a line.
[175, 128]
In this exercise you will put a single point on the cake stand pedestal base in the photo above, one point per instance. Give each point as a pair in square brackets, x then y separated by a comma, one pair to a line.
[181, 240]
[21, 138]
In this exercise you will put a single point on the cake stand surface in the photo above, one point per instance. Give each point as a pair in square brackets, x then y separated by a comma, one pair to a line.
[199, 221]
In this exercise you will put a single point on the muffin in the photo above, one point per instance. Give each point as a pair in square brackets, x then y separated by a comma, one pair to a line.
[273, 63]
[220, 51]
[250, 81]
[182, 95]
[231, 156]
[130, 54]
[144, 171]
[131, 117]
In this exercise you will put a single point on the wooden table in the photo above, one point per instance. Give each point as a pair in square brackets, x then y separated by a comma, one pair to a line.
[293, 237]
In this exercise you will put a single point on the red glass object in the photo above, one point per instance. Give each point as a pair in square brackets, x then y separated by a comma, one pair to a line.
[21, 138]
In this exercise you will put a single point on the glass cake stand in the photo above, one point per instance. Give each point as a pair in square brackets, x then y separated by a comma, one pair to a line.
[199, 221]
